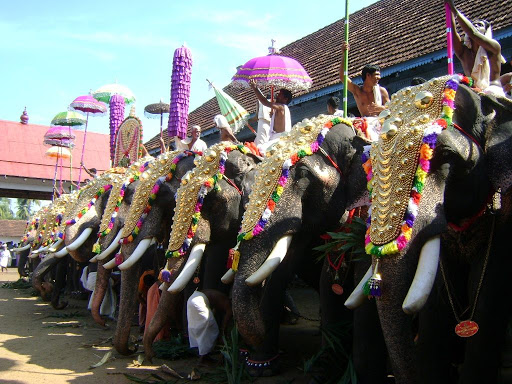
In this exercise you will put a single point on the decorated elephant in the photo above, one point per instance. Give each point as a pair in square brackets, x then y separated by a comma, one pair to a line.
[207, 216]
[142, 219]
[433, 215]
[302, 189]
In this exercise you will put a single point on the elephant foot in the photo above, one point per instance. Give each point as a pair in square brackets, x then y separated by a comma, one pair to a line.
[61, 305]
[263, 368]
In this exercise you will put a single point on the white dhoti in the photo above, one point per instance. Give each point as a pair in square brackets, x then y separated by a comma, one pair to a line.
[373, 129]
[202, 327]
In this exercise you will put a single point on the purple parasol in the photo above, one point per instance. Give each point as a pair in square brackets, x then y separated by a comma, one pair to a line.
[180, 93]
[273, 70]
[87, 104]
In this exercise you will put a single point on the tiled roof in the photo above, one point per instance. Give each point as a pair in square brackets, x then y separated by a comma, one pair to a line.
[387, 33]
[12, 228]
[22, 152]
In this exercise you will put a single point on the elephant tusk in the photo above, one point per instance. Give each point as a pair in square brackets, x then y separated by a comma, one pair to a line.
[163, 286]
[111, 264]
[63, 252]
[425, 276]
[357, 297]
[21, 249]
[273, 260]
[55, 245]
[193, 261]
[228, 277]
[137, 253]
[110, 249]
[33, 255]
[42, 249]
[80, 240]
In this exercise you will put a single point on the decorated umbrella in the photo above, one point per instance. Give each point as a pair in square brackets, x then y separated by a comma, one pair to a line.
[69, 119]
[236, 115]
[116, 95]
[153, 111]
[87, 104]
[59, 136]
[180, 92]
[58, 153]
[274, 71]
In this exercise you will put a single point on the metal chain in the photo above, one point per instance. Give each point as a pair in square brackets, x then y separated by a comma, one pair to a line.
[481, 276]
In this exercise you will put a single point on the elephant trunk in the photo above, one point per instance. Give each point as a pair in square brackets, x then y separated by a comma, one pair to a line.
[102, 277]
[60, 282]
[22, 262]
[169, 307]
[127, 308]
[40, 272]
[396, 325]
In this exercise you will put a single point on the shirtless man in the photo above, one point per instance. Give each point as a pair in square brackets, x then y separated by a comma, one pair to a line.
[486, 72]
[281, 121]
[366, 101]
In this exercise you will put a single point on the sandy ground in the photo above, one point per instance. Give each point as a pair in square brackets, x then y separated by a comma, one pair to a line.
[38, 347]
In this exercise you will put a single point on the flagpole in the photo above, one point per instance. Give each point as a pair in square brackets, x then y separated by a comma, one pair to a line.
[345, 69]
[449, 37]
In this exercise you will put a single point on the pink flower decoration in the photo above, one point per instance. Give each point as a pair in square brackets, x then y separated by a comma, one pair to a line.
[425, 164]
[401, 242]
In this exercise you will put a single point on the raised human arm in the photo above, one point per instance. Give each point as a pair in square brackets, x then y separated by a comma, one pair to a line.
[458, 45]
[490, 45]
[260, 95]
[354, 89]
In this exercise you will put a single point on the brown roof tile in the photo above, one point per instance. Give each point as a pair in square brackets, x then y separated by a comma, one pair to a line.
[387, 33]
[12, 228]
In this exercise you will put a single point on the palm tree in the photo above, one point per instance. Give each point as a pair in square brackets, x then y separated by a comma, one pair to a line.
[24, 208]
[5, 209]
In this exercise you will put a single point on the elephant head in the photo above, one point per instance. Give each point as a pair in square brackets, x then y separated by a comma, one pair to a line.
[302, 189]
[450, 185]
[213, 216]
[146, 217]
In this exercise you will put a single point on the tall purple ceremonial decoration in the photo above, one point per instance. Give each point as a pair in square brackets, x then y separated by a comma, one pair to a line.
[180, 93]
[116, 118]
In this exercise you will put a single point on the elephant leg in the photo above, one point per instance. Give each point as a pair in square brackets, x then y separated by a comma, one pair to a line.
[22, 264]
[102, 278]
[491, 315]
[60, 282]
[127, 307]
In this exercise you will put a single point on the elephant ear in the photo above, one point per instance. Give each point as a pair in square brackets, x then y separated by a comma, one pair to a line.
[498, 146]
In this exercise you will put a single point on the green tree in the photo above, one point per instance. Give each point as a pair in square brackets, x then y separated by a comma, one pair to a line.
[5, 209]
[24, 208]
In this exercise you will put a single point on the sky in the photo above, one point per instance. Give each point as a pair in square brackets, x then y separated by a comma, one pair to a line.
[55, 51]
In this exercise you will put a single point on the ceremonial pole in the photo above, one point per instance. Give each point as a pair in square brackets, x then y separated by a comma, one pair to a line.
[449, 37]
[345, 69]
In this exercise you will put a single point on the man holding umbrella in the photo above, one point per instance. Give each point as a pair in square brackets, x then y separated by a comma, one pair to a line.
[281, 121]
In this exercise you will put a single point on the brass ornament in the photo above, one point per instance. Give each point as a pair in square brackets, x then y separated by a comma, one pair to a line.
[88, 191]
[159, 167]
[395, 156]
[423, 99]
[206, 167]
[268, 172]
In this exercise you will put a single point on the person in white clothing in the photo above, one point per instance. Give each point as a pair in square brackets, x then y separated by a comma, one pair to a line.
[5, 257]
[193, 143]
[281, 121]
[478, 52]
[263, 132]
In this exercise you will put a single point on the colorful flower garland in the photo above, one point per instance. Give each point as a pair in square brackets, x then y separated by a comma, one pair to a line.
[100, 192]
[234, 254]
[211, 183]
[152, 196]
[30, 227]
[135, 176]
[372, 286]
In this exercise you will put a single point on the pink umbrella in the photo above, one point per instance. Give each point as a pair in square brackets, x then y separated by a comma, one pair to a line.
[180, 93]
[274, 71]
[87, 104]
